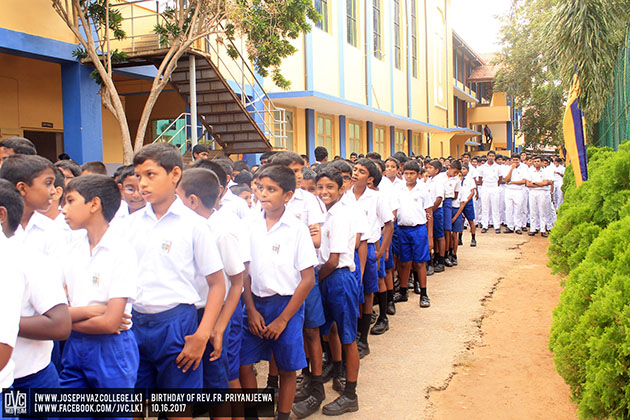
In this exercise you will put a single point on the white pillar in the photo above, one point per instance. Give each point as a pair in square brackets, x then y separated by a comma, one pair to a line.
[192, 78]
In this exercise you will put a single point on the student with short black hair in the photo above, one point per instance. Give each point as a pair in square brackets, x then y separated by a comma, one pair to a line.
[490, 177]
[308, 180]
[538, 183]
[456, 219]
[354, 157]
[452, 186]
[515, 179]
[321, 154]
[266, 157]
[173, 245]
[94, 167]
[200, 151]
[99, 272]
[239, 166]
[16, 146]
[69, 169]
[280, 278]
[54, 212]
[244, 177]
[132, 200]
[466, 198]
[435, 183]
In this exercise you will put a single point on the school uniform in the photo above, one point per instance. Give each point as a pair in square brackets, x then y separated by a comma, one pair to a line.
[503, 171]
[550, 215]
[359, 226]
[412, 219]
[558, 179]
[514, 198]
[458, 223]
[170, 251]
[473, 172]
[340, 291]
[525, 207]
[12, 284]
[490, 195]
[468, 186]
[235, 204]
[279, 255]
[377, 214]
[452, 187]
[538, 201]
[41, 234]
[388, 190]
[108, 272]
[436, 189]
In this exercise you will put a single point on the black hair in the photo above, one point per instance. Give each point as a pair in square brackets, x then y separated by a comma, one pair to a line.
[24, 168]
[321, 153]
[241, 165]
[164, 154]
[370, 165]
[308, 174]
[558, 159]
[94, 167]
[373, 155]
[200, 148]
[287, 158]
[63, 156]
[125, 172]
[240, 189]
[456, 164]
[381, 165]
[19, 145]
[266, 156]
[212, 166]
[332, 174]
[305, 157]
[466, 154]
[244, 177]
[282, 175]
[101, 186]
[436, 164]
[491, 152]
[226, 163]
[353, 154]
[203, 183]
[412, 165]
[69, 165]
[60, 182]
[361, 155]
[401, 157]
[11, 200]
[393, 159]
[474, 158]
[117, 172]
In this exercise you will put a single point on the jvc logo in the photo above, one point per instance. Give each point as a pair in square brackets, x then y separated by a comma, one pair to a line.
[15, 402]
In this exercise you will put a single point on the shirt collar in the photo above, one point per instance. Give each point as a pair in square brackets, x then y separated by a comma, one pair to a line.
[177, 208]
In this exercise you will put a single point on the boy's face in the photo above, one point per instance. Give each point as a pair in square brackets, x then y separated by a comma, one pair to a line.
[452, 172]
[353, 158]
[391, 170]
[297, 170]
[411, 177]
[347, 180]
[474, 162]
[156, 185]
[465, 159]
[271, 196]
[77, 211]
[201, 155]
[67, 174]
[328, 191]
[5, 152]
[537, 163]
[464, 171]
[130, 191]
[432, 170]
[491, 159]
[516, 162]
[247, 196]
[360, 175]
[309, 185]
[39, 195]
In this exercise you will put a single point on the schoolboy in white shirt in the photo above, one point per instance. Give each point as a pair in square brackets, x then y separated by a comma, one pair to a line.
[172, 243]
[280, 278]
[467, 196]
[454, 183]
[99, 272]
[435, 183]
[132, 200]
[515, 180]
[452, 187]
[537, 182]
[558, 179]
[489, 176]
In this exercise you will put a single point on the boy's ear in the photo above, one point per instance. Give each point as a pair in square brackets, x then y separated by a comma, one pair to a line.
[21, 187]
[176, 174]
[4, 221]
[95, 205]
[287, 196]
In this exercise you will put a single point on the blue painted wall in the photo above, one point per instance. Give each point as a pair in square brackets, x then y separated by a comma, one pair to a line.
[342, 136]
[369, 125]
[310, 134]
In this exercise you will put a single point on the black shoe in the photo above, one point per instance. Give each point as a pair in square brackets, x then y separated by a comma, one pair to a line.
[508, 230]
[327, 371]
[430, 269]
[484, 230]
[544, 234]
[306, 407]
[532, 233]
[302, 393]
[454, 260]
[518, 232]
[400, 297]
[473, 242]
[448, 262]
[364, 349]
[391, 308]
[341, 405]
[339, 384]
[373, 317]
[497, 231]
[396, 284]
[425, 302]
[380, 327]
[416, 287]
[439, 268]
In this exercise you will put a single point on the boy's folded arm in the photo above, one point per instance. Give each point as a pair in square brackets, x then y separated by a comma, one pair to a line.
[81, 313]
[54, 324]
[329, 266]
[108, 322]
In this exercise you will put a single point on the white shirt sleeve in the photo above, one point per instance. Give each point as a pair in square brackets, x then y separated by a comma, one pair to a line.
[12, 284]
[45, 285]
[305, 255]
[340, 231]
[383, 212]
[315, 214]
[124, 277]
[231, 254]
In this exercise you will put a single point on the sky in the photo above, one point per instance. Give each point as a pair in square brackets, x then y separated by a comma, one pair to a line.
[475, 21]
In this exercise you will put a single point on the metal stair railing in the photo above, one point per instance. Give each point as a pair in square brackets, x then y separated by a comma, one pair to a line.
[166, 137]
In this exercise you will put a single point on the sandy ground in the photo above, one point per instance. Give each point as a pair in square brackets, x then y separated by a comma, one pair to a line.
[484, 340]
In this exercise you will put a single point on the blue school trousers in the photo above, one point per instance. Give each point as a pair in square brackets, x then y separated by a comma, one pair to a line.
[341, 295]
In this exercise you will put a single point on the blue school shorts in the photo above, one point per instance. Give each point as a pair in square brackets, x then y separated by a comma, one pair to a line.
[395, 242]
[458, 224]
[381, 267]
[234, 337]
[438, 223]
[45, 378]
[414, 244]
[215, 373]
[340, 294]
[370, 276]
[160, 339]
[313, 309]
[55, 357]
[357, 275]
[100, 360]
[288, 349]
[389, 261]
[447, 209]
[469, 211]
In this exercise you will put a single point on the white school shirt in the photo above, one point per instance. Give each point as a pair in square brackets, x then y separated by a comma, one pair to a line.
[12, 286]
[376, 211]
[456, 184]
[388, 189]
[503, 171]
[359, 218]
[490, 175]
[518, 174]
[468, 185]
[109, 271]
[170, 251]
[43, 290]
[304, 206]
[436, 187]
[338, 237]
[230, 235]
[413, 204]
[539, 176]
[235, 204]
[42, 234]
[451, 187]
[557, 179]
[279, 255]
[550, 175]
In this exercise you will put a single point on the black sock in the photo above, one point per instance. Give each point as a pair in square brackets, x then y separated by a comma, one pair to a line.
[473, 235]
[403, 290]
[338, 369]
[284, 416]
[306, 371]
[351, 390]
[272, 381]
[382, 305]
[390, 296]
[423, 291]
[326, 349]
[317, 387]
[364, 327]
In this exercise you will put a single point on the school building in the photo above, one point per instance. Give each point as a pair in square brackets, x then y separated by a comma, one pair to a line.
[372, 75]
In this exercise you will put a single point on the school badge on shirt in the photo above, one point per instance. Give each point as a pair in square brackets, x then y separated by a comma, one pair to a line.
[96, 279]
[166, 246]
[275, 248]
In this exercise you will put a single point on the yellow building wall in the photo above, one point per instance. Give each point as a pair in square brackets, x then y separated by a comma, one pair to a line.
[499, 135]
[112, 139]
[488, 114]
[35, 17]
[419, 84]
[354, 66]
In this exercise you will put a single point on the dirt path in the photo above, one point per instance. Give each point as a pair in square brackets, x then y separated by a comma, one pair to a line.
[507, 373]
[511, 374]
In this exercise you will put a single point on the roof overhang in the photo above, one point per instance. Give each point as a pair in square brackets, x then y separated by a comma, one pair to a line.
[463, 95]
